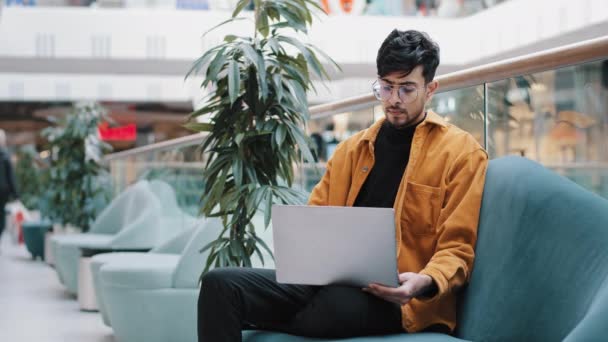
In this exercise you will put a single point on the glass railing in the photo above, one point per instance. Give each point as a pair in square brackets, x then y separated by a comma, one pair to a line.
[177, 162]
[551, 107]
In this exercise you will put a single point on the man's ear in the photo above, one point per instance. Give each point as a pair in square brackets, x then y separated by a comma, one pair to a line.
[432, 88]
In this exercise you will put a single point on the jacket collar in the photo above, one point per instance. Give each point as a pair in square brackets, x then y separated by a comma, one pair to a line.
[431, 119]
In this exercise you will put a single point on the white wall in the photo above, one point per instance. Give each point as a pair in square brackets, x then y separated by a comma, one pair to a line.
[175, 35]
[61, 87]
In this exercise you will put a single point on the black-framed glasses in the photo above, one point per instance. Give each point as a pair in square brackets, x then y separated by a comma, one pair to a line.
[383, 91]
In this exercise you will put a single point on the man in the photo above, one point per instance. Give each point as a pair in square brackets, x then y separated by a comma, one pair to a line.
[8, 189]
[431, 172]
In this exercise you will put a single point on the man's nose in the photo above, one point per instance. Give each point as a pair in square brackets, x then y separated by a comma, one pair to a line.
[394, 99]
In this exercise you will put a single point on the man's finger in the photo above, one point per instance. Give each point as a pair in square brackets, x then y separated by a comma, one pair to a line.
[376, 293]
[394, 298]
[403, 277]
[385, 290]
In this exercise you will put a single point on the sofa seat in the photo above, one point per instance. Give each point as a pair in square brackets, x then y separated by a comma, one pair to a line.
[265, 336]
[150, 272]
[66, 252]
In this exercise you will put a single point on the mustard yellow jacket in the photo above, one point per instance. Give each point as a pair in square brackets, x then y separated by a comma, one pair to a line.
[436, 209]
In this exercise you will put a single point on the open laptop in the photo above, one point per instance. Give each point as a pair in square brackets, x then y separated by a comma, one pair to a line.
[315, 245]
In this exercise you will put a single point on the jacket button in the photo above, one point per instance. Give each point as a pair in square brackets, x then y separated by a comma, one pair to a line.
[365, 169]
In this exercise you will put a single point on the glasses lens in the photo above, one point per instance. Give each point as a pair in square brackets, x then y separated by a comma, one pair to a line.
[383, 91]
[386, 91]
[408, 94]
[376, 90]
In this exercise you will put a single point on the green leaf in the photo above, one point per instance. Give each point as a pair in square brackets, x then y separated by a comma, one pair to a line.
[239, 7]
[274, 45]
[239, 137]
[256, 58]
[230, 38]
[268, 209]
[278, 86]
[280, 135]
[262, 25]
[310, 58]
[204, 110]
[216, 65]
[315, 4]
[263, 244]
[234, 80]
[221, 24]
[201, 62]
[327, 58]
[294, 20]
[297, 134]
[199, 127]
[259, 254]
[237, 171]
[299, 93]
[210, 245]
[282, 24]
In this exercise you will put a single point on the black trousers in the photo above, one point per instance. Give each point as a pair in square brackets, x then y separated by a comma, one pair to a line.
[3, 216]
[236, 299]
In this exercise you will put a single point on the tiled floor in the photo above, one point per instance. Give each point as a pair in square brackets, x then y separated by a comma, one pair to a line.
[35, 307]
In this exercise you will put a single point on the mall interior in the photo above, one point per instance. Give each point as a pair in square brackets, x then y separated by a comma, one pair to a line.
[113, 169]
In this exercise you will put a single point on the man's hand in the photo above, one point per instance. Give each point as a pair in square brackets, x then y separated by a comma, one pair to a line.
[412, 285]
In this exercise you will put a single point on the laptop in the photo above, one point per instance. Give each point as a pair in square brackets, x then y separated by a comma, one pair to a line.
[318, 245]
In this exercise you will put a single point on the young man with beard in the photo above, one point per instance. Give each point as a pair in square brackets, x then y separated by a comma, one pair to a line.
[430, 172]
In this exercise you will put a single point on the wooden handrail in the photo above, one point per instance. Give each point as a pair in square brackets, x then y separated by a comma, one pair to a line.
[563, 56]
[567, 55]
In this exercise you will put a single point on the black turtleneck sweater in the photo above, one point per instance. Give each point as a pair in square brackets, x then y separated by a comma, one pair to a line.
[391, 154]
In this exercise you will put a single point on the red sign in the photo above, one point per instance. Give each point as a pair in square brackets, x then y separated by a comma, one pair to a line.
[122, 133]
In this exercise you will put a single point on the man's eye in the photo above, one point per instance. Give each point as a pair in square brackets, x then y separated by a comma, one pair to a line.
[407, 90]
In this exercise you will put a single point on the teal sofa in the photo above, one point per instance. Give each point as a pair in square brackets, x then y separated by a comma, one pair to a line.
[541, 272]
[144, 216]
[170, 250]
[541, 267]
[154, 299]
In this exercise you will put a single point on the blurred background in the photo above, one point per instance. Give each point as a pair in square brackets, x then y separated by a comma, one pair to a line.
[524, 77]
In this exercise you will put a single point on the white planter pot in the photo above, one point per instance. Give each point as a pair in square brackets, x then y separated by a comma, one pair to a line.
[48, 251]
[86, 293]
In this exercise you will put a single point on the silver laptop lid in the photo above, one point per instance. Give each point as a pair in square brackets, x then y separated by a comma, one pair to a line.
[316, 245]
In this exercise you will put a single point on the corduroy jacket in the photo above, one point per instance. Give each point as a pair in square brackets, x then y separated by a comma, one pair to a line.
[436, 208]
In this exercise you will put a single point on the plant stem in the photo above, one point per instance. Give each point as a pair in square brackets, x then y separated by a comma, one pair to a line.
[255, 21]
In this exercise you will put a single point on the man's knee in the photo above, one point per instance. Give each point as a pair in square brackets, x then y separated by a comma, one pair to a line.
[327, 314]
[338, 298]
[219, 279]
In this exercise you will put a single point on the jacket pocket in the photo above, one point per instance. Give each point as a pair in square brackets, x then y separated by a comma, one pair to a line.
[421, 208]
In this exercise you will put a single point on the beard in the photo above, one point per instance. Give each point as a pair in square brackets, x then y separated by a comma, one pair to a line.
[400, 117]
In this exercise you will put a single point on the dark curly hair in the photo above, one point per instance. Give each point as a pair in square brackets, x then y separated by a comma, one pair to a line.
[402, 51]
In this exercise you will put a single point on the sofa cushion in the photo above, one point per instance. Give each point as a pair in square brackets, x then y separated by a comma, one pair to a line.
[192, 261]
[104, 258]
[82, 240]
[155, 271]
[264, 336]
[541, 256]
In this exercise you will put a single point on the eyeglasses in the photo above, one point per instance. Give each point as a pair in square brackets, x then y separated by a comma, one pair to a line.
[384, 91]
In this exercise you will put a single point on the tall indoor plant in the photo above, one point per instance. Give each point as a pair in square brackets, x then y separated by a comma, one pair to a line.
[78, 183]
[29, 174]
[257, 110]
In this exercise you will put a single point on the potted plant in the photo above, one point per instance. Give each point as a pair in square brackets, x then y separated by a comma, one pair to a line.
[28, 174]
[257, 110]
[78, 185]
